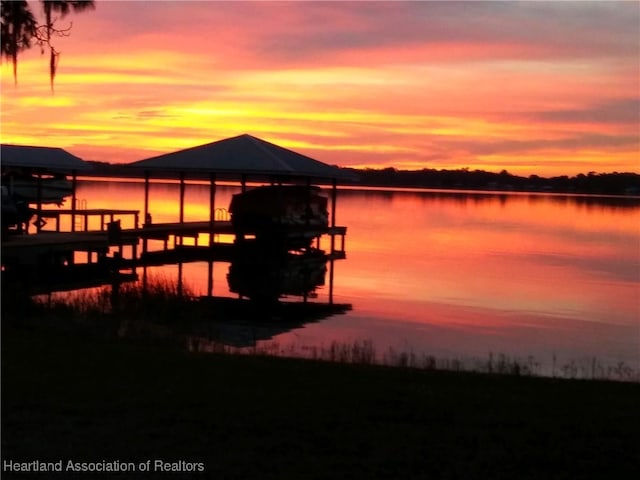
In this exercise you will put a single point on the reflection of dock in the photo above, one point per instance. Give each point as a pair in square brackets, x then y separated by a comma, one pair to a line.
[76, 277]
[232, 322]
[219, 252]
[49, 242]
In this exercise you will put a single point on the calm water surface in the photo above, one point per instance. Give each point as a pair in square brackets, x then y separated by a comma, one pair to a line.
[457, 274]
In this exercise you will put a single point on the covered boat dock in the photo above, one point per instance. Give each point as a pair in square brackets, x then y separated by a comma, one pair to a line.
[38, 162]
[245, 159]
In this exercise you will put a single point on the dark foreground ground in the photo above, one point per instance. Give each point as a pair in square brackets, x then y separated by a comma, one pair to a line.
[67, 398]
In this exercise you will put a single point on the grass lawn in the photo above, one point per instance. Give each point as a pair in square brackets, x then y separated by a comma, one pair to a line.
[68, 397]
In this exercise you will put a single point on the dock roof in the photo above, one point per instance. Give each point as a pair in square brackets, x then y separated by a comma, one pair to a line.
[45, 158]
[242, 155]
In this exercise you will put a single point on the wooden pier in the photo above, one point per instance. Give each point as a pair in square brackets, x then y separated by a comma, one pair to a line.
[99, 241]
[114, 253]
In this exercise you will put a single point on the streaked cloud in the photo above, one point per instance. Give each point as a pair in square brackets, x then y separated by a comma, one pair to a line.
[624, 111]
[533, 87]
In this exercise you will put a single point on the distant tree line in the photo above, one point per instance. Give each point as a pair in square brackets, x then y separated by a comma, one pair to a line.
[464, 179]
[592, 183]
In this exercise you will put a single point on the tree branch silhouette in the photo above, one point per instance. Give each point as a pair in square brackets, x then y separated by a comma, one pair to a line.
[19, 29]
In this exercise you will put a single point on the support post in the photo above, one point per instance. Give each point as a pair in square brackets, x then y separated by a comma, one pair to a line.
[308, 205]
[145, 279]
[146, 198]
[182, 188]
[210, 279]
[334, 195]
[331, 262]
[39, 203]
[212, 207]
[134, 257]
[74, 199]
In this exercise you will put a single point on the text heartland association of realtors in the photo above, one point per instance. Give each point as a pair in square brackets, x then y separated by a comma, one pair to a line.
[102, 466]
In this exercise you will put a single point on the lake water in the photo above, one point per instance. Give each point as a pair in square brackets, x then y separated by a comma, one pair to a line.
[460, 275]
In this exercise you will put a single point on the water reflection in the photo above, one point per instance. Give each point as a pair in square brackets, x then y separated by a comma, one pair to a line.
[243, 323]
[478, 197]
[260, 279]
[254, 271]
[264, 276]
[452, 273]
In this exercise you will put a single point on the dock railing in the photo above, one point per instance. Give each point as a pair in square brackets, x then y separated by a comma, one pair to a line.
[80, 218]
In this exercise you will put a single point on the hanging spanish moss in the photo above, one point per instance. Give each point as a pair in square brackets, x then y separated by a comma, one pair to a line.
[53, 65]
[20, 30]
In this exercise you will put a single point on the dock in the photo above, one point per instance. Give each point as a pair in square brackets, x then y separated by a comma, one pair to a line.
[113, 254]
[284, 233]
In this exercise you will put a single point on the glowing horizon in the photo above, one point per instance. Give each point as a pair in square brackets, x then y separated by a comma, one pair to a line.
[547, 88]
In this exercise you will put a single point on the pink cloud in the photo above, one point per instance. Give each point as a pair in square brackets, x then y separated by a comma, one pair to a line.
[389, 83]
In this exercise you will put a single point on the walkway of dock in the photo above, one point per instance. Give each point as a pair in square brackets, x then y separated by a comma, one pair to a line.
[49, 258]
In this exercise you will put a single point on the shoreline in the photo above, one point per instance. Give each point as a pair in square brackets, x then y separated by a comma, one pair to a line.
[241, 416]
[615, 184]
[374, 188]
[225, 325]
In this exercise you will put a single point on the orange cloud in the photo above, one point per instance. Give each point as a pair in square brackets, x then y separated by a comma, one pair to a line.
[522, 87]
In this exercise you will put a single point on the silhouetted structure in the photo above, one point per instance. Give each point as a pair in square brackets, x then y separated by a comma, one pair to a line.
[276, 228]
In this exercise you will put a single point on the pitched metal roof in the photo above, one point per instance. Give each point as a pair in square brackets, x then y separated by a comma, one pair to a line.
[242, 155]
[46, 158]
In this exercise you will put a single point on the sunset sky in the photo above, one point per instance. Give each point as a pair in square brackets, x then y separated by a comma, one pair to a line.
[549, 88]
